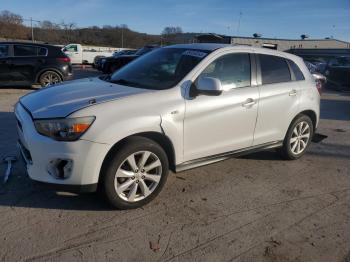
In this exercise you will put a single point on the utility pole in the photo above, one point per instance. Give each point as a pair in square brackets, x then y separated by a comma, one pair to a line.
[239, 22]
[122, 37]
[31, 25]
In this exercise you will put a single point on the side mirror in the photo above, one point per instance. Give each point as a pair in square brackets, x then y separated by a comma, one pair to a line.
[209, 86]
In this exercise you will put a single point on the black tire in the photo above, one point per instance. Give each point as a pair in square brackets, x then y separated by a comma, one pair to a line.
[117, 158]
[286, 150]
[112, 69]
[49, 77]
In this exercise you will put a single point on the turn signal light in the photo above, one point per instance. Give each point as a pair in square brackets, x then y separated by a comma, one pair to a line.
[80, 127]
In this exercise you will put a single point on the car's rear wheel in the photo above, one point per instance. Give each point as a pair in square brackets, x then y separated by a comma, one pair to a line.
[49, 78]
[134, 174]
[298, 138]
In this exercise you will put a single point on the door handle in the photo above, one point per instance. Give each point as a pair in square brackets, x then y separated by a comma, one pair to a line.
[249, 103]
[293, 92]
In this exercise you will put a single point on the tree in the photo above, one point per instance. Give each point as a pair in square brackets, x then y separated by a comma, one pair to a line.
[172, 30]
[11, 26]
[10, 18]
[48, 25]
[170, 35]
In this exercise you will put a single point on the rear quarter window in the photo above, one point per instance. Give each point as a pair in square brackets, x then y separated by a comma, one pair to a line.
[274, 69]
[298, 74]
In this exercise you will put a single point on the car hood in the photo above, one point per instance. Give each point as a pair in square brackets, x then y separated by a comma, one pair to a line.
[63, 99]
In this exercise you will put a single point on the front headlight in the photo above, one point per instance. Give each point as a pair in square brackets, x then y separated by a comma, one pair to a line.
[67, 129]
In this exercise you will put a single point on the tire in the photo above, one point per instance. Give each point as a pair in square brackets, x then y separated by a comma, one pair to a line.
[112, 69]
[49, 78]
[126, 188]
[299, 136]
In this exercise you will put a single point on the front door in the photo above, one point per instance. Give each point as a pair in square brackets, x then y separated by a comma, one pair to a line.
[73, 53]
[223, 123]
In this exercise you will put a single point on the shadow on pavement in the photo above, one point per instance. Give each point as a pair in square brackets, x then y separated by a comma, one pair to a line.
[335, 109]
[20, 191]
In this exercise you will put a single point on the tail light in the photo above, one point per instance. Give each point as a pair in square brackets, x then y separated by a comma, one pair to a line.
[319, 86]
[64, 59]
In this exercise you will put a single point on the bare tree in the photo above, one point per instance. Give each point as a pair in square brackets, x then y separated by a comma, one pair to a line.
[10, 18]
[170, 34]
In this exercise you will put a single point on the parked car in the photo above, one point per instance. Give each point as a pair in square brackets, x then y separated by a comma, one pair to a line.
[178, 107]
[114, 63]
[24, 63]
[99, 60]
[85, 54]
[320, 79]
[337, 72]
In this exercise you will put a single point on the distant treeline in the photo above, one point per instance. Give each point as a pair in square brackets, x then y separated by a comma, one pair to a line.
[12, 27]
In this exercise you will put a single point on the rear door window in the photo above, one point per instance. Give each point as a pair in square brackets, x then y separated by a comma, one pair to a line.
[24, 50]
[4, 51]
[274, 69]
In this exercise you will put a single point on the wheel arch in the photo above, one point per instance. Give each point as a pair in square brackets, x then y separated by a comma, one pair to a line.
[310, 113]
[157, 137]
[38, 75]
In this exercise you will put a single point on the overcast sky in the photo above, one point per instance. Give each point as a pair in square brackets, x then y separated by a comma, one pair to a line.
[271, 18]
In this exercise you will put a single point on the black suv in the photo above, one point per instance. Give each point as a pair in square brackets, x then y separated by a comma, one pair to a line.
[28, 63]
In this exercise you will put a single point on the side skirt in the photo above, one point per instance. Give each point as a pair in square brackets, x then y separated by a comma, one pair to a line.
[219, 157]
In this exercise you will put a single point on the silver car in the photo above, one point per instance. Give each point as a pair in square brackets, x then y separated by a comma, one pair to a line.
[175, 108]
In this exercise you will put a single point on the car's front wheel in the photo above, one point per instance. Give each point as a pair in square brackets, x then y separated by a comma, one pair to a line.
[298, 138]
[134, 174]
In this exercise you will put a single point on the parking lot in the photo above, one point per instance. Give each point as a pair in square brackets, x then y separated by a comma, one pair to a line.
[253, 208]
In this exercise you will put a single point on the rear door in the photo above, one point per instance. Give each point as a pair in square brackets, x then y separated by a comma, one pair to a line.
[5, 64]
[279, 98]
[25, 63]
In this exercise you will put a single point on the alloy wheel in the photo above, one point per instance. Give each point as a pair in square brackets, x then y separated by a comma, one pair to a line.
[50, 79]
[138, 176]
[300, 137]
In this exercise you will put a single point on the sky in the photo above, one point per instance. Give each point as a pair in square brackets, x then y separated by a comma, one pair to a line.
[271, 18]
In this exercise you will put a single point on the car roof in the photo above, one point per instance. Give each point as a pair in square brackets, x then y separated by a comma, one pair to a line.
[26, 43]
[213, 47]
[199, 46]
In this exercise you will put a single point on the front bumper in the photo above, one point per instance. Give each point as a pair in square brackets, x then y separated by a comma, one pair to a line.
[41, 154]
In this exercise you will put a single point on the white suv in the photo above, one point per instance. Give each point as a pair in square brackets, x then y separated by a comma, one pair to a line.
[175, 108]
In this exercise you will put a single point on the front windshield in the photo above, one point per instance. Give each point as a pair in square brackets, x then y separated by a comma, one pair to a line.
[161, 69]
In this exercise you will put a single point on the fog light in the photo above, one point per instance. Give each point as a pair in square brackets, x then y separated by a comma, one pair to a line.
[60, 168]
